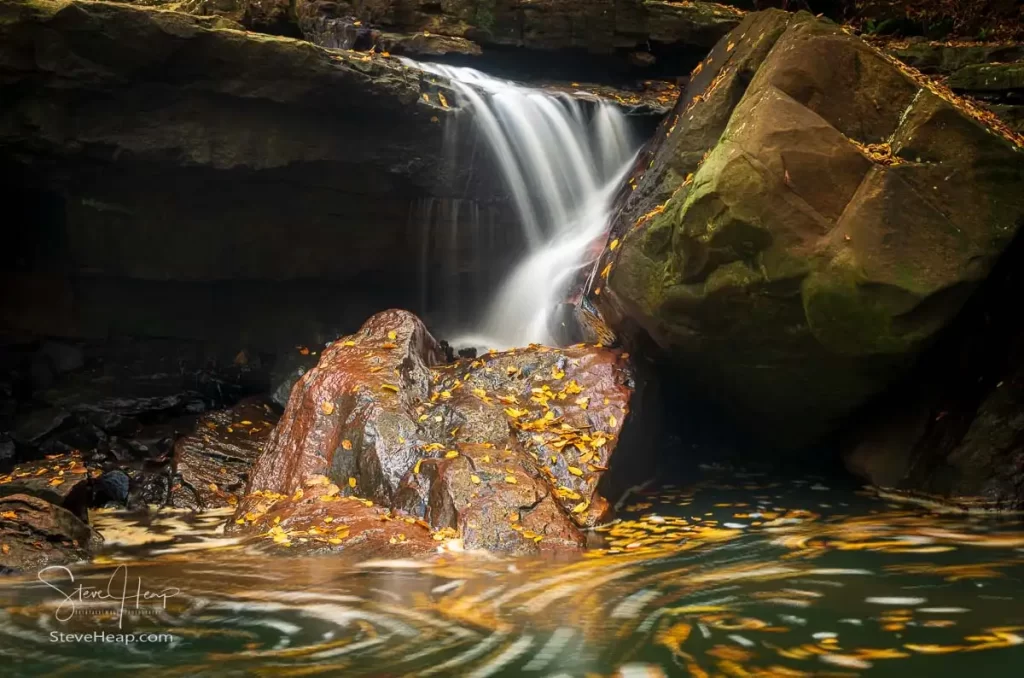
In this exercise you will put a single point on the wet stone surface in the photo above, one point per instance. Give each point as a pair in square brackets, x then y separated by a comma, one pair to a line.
[504, 451]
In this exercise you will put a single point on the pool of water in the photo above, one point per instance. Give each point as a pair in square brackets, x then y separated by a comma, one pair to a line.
[735, 575]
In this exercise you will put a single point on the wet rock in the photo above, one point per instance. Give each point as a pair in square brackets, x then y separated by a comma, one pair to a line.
[798, 241]
[112, 487]
[365, 384]
[495, 499]
[505, 451]
[214, 461]
[62, 480]
[35, 533]
[319, 520]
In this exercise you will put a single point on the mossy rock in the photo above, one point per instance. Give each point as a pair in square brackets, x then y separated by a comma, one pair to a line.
[838, 219]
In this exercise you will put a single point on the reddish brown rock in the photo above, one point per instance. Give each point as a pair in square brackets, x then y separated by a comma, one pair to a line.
[214, 460]
[505, 451]
[360, 397]
[318, 519]
[62, 480]
[35, 533]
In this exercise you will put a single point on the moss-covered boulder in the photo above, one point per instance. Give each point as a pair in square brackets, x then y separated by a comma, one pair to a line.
[808, 219]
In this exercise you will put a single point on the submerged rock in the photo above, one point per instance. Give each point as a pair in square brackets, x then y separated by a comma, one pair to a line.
[504, 451]
[35, 533]
[813, 215]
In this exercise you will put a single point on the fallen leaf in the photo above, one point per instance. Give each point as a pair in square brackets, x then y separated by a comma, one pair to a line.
[347, 444]
[475, 479]
[327, 407]
[352, 482]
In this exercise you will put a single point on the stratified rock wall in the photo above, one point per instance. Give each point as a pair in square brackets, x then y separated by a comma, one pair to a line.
[168, 177]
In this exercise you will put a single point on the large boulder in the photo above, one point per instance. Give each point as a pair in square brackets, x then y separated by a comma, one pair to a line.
[810, 217]
[505, 451]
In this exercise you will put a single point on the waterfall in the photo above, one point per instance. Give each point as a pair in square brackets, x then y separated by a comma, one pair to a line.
[561, 160]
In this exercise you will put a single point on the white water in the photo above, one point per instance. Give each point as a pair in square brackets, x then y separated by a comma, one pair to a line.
[562, 165]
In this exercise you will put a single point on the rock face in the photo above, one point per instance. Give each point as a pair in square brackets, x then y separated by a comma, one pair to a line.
[954, 427]
[504, 451]
[302, 168]
[463, 26]
[812, 216]
[990, 73]
[35, 533]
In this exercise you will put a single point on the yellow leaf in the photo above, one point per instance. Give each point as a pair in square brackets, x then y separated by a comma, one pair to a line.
[575, 471]
[451, 454]
[515, 413]
[327, 407]
[612, 421]
[8, 515]
[213, 486]
[298, 494]
[56, 481]
[389, 387]
[580, 508]
[583, 402]
[557, 373]
[613, 245]
[5, 548]
[511, 480]
[416, 468]
[475, 479]
[348, 343]
[351, 482]
[334, 540]
[347, 444]
[392, 335]
[444, 102]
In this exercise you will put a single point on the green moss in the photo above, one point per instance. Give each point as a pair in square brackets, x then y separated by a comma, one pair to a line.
[846, 319]
[483, 18]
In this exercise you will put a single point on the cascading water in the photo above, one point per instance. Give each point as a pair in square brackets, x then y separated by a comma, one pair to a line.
[562, 161]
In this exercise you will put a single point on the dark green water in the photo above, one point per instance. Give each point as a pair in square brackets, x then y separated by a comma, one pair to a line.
[736, 576]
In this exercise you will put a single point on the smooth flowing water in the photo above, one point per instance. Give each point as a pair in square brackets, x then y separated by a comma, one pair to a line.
[740, 574]
[562, 161]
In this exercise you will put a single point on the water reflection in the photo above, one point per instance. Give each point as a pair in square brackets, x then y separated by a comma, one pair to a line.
[751, 577]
